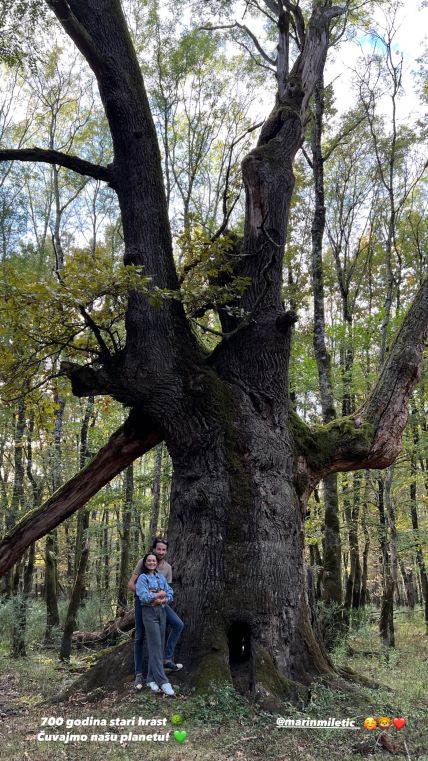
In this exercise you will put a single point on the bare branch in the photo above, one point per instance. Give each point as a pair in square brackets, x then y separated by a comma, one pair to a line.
[57, 158]
[255, 4]
[298, 20]
[105, 354]
[339, 138]
[227, 213]
[307, 157]
[247, 31]
[253, 37]
[251, 54]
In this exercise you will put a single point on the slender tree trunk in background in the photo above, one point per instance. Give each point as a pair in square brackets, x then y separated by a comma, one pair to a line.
[68, 550]
[156, 491]
[21, 600]
[82, 547]
[74, 604]
[136, 544]
[105, 551]
[346, 362]
[83, 514]
[122, 595]
[346, 365]
[4, 508]
[419, 595]
[317, 568]
[51, 580]
[332, 572]
[165, 496]
[365, 571]
[52, 617]
[409, 585]
[353, 586]
[386, 621]
[392, 531]
[18, 486]
[20, 607]
[332, 551]
[98, 561]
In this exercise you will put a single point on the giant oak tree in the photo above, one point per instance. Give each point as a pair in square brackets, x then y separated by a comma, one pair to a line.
[244, 463]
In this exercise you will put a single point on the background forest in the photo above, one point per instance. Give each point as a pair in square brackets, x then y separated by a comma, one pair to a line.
[355, 257]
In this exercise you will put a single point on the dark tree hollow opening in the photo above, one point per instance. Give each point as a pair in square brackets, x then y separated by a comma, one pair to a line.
[241, 657]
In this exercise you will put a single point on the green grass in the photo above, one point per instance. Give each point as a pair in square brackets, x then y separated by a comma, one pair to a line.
[222, 726]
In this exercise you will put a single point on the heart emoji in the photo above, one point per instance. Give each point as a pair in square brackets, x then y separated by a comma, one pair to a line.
[399, 723]
[180, 735]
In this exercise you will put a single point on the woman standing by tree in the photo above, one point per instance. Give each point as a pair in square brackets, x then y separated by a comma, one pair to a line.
[154, 592]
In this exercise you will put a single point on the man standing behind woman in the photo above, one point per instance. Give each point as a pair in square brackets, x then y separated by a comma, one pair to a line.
[160, 548]
[154, 593]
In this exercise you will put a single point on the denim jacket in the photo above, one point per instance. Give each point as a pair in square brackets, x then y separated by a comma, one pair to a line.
[149, 581]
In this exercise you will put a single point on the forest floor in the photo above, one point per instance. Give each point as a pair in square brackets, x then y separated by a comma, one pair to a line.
[221, 726]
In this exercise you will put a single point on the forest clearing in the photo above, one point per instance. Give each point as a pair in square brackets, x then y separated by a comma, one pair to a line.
[213, 378]
[222, 725]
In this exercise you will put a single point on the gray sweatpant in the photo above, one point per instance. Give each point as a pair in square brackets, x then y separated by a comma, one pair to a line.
[154, 620]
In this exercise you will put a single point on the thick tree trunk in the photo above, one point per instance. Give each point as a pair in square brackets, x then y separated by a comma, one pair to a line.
[236, 533]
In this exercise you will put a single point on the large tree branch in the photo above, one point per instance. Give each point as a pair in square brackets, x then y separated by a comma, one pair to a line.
[130, 441]
[77, 32]
[59, 159]
[371, 437]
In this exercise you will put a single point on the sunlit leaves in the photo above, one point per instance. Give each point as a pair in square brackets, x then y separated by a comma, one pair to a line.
[45, 317]
[207, 270]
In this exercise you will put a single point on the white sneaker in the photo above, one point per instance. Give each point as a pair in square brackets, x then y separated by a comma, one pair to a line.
[167, 688]
[153, 686]
[171, 666]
